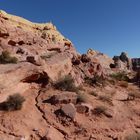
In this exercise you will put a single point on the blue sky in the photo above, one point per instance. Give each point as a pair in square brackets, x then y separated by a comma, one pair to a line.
[110, 26]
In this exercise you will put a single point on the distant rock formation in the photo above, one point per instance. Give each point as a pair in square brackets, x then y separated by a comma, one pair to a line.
[122, 62]
[136, 63]
[103, 59]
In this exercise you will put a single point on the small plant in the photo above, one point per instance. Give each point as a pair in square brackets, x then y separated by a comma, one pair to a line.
[99, 110]
[6, 58]
[96, 80]
[13, 102]
[93, 93]
[105, 98]
[66, 84]
[135, 136]
[123, 84]
[120, 76]
[81, 98]
[111, 81]
[134, 95]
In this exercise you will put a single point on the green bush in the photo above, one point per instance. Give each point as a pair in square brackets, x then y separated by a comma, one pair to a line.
[120, 76]
[66, 84]
[13, 102]
[6, 58]
[81, 98]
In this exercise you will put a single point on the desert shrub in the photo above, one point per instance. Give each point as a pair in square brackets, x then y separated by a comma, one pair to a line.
[111, 81]
[105, 98]
[6, 58]
[93, 93]
[135, 136]
[81, 98]
[121, 76]
[134, 94]
[66, 84]
[96, 80]
[13, 102]
[99, 110]
[123, 84]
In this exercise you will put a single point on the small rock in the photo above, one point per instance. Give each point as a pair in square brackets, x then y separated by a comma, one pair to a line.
[20, 51]
[53, 134]
[84, 108]
[34, 60]
[109, 113]
[120, 96]
[69, 110]
[65, 98]
[31, 59]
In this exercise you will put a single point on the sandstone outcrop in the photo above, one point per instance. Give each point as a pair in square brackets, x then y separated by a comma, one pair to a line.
[44, 57]
[123, 62]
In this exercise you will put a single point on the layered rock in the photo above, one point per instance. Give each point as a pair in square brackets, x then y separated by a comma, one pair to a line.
[103, 59]
[136, 63]
[122, 62]
[31, 38]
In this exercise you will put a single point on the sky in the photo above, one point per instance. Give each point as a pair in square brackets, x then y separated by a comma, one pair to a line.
[109, 26]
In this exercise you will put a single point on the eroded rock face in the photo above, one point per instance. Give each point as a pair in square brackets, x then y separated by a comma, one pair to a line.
[102, 59]
[36, 38]
[136, 63]
[45, 56]
[122, 62]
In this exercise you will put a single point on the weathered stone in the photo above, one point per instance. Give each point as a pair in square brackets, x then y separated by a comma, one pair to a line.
[124, 57]
[122, 62]
[84, 108]
[136, 63]
[75, 60]
[20, 51]
[120, 96]
[58, 66]
[12, 43]
[85, 58]
[53, 134]
[109, 113]
[4, 34]
[69, 110]
[36, 60]
[64, 98]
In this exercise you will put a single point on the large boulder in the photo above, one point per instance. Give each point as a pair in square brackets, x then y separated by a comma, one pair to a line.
[58, 66]
[69, 110]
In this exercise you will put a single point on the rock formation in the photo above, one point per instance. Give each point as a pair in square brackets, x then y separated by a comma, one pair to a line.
[122, 62]
[136, 63]
[87, 103]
